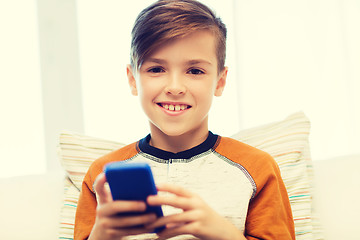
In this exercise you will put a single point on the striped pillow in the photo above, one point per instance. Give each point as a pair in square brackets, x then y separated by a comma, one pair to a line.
[287, 141]
[76, 153]
[71, 195]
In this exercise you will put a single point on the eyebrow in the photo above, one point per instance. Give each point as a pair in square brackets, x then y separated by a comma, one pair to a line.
[190, 62]
[197, 61]
[155, 60]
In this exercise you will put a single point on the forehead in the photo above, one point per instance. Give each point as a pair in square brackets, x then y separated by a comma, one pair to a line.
[197, 46]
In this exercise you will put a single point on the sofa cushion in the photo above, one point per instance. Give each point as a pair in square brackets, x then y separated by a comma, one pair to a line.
[286, 141]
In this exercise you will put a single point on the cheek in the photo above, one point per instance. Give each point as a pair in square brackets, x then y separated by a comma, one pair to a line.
[145, 87]
[204, 96]
[205, 90]
[148, 91]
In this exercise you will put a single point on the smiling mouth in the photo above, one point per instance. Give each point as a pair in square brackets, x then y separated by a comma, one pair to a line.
[174, 107]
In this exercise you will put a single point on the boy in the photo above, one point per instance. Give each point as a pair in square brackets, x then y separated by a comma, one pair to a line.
[216, 187]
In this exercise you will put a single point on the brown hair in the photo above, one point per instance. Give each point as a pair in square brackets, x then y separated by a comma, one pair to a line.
[166, 20]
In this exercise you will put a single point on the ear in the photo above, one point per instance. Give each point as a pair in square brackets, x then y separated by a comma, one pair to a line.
[221, 82]
[131, 80]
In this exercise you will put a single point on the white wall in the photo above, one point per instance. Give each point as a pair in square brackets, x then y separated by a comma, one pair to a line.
[63, 67]
[40, 89]
[60, 73]
[283, 56]
[302, 55]
[22, 148]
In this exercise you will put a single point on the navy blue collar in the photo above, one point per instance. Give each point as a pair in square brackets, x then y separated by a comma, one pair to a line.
[208, 144]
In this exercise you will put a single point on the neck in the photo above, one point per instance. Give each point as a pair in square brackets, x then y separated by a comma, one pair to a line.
[177, 143]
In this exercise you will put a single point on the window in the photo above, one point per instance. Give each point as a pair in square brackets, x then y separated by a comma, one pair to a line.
[22, 138]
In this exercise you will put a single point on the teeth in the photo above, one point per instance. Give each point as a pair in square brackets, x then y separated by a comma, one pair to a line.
[172, 107]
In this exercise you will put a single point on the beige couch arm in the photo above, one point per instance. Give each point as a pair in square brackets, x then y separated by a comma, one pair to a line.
[30, 206]
[337, 194]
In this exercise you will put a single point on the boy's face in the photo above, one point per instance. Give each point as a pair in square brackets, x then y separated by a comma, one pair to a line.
[176, 84]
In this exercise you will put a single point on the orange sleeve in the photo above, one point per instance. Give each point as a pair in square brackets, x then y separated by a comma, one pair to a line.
[85, 211]
[269, 213]
[86, 208]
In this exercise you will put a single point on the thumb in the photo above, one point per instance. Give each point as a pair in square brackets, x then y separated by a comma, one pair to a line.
[102, 190]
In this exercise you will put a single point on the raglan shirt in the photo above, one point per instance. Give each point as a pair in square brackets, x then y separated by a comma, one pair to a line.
[240, 182]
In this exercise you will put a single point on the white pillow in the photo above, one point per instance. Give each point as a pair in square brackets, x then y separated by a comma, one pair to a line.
[286, 140]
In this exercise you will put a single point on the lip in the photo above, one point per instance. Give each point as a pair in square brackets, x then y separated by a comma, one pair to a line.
[174, 108]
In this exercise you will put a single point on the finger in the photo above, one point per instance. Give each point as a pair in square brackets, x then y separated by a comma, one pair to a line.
[172, 200]
[118, 233]
[175, 219]
[119, 207]
[174, 189]
[176, 231]
[103, 193]
[131, 222]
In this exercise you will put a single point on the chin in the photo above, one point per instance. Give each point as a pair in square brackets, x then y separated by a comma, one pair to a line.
[178, 129]
[172, 133]
[180, 132]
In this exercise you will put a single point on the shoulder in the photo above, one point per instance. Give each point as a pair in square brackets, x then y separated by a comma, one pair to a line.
[121, 154]
[240, 152]
[259, 164]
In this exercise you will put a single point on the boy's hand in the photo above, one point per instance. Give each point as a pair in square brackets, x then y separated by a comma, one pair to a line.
[108, 223]
[197, 217]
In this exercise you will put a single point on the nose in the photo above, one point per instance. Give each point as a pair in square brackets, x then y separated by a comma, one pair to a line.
[175, 85]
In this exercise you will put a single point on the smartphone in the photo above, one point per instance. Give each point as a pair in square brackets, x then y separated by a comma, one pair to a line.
[132, 181]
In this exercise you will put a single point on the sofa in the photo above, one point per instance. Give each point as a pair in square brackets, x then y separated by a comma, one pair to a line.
[32, 207]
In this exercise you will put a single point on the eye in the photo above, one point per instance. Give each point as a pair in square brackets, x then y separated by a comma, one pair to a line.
[195, 71]
[156, 70]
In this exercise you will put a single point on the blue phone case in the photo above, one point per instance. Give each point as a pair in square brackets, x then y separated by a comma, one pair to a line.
[132, 181]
